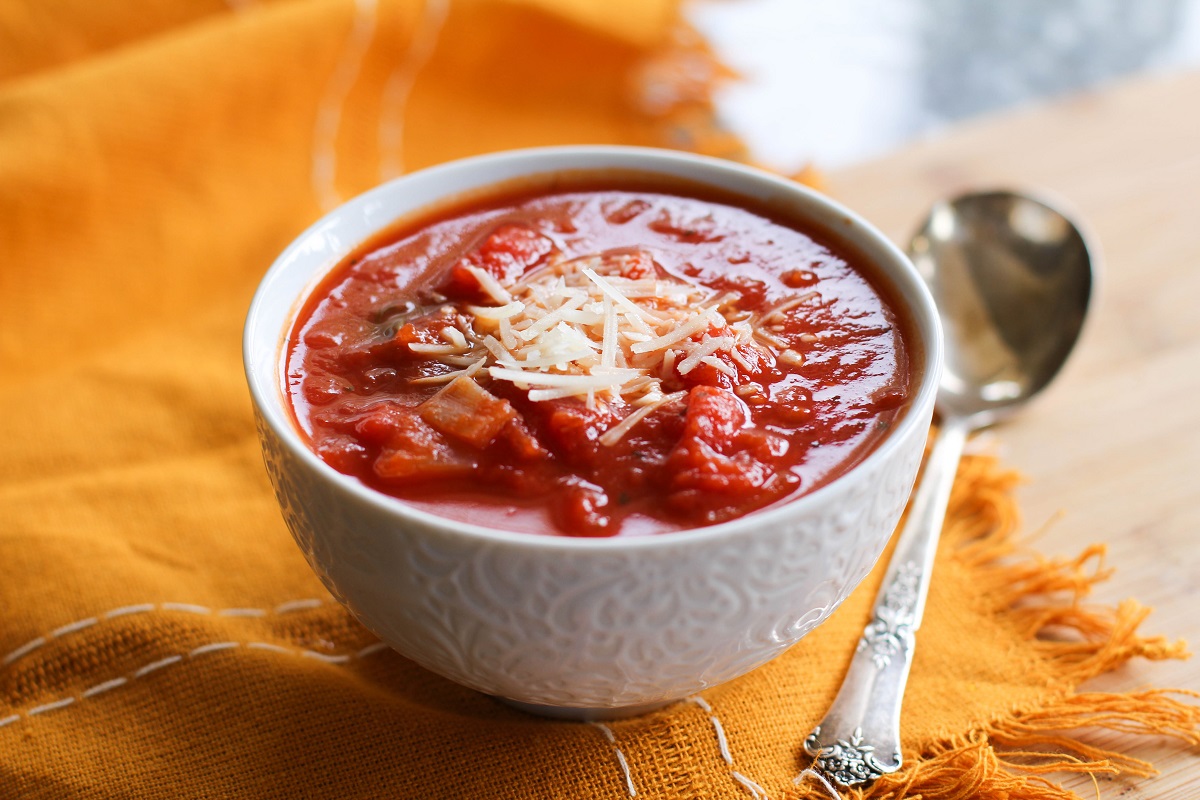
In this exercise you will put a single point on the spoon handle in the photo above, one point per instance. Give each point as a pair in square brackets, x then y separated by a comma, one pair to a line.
[859, 738]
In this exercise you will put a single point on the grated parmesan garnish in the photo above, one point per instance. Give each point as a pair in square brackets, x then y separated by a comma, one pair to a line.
[578, 328]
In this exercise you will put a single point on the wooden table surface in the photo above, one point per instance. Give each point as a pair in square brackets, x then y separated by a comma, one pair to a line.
[1114, 444]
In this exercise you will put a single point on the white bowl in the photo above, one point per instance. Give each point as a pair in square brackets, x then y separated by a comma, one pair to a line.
[581, 627]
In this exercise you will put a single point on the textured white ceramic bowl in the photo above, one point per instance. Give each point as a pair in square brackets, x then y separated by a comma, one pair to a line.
[578, 627]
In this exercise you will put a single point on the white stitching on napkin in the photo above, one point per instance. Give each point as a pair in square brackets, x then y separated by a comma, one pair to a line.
[718, 728]
[298, 605]
[101, 688]
[608, 734]
[212, 648]
[42, 709]
[72, 627]
[187, 608]
[242, 612]
[124, 611]
[833, 794]
[24, 649]
[215, 647]
[288, 607]
[157, 665]
[337, 91]
[756, 791]
[371, 648]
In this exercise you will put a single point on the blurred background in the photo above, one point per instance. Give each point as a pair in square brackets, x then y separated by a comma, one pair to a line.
[836, 83]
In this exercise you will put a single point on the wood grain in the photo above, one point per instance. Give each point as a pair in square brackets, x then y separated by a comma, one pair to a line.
[1114, 445]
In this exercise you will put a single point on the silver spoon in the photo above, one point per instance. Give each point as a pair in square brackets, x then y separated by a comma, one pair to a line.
[1011, 278]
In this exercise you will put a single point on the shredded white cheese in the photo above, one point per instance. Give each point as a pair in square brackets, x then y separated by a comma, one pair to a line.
[579, 328]
[490, 285]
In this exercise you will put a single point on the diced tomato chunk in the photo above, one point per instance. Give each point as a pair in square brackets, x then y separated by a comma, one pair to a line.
[506, 254]
[321, 390]
[580, 511]
[409, 333]
[751, 292]
[432, 464]
[382, 423]
[714, 416]
[574, 430]
[627, 211]
[525, 446]
[426, 329]
[763, 444]
[711, 467]
[749, 364]
[409, 448]
[468, 412]
[709, 376]
[700, 466]
[635, 265]
[512, 246]
[343, 453]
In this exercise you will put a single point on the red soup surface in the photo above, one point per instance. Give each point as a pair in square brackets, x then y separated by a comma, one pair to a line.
[597, 361]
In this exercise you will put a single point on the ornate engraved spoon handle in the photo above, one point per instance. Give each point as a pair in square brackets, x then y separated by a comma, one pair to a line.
[859, 738]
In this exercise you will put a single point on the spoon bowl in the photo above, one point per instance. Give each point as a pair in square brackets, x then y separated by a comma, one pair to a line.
[1011, 278]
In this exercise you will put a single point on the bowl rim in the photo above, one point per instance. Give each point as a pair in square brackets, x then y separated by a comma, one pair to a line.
[268, 396]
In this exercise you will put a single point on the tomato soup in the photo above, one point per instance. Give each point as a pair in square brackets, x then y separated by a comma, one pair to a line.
[598, 361]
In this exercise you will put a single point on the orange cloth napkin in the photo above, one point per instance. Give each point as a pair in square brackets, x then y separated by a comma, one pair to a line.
[160, 634]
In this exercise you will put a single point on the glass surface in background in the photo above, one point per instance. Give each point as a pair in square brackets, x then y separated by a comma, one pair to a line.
[834, 83]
